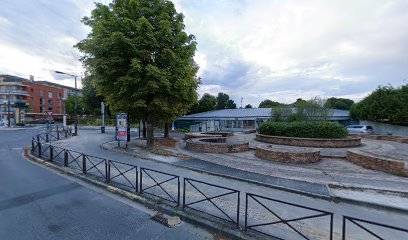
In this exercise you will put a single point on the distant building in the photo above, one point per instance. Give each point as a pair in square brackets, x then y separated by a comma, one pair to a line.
[13, 98]
[239, 119]
[31, 99]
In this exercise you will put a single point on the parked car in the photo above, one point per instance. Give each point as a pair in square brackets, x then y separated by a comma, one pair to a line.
[360, 129]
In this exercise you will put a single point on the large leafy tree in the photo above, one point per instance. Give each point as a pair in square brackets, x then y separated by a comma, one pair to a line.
[91, 101]
[224, 101]
[141, 59]
[385, 104]
[339, 103]
[269, 104]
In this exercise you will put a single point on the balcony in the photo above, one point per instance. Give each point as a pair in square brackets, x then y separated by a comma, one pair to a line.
[17, 102]
[13, 92]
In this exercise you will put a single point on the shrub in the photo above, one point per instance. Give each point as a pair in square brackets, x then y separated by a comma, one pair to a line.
[310, 129]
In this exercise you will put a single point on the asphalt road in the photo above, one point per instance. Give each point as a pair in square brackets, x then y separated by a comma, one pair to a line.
[37, 203]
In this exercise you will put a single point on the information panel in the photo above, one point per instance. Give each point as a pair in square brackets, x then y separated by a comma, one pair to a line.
[121, 127]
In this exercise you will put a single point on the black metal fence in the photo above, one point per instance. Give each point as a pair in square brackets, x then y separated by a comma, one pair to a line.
[268, 216]
[364, 229]
[122, 175]
[277, 218]
[160, 184]
[202, 195]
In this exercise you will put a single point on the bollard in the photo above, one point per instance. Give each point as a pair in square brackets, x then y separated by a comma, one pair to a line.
[65, 158]
[57, 135]
[65, 132]
[84, 163]
[51, 153]
[46, 137]
[38, 138]
[32, 146]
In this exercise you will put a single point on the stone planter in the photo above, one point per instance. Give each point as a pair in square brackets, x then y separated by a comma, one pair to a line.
[310, 142]
[300, 155]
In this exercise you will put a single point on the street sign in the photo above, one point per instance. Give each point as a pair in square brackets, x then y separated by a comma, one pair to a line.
[50, 115]
[121, 126]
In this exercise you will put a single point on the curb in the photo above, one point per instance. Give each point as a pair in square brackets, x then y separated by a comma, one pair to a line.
[314, 195]
[332, 197]
[189, 217]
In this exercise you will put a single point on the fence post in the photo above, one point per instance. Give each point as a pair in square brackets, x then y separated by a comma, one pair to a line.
[141, 181]
[246, 211]
[39, 149]
[108, 173]
[46, 137]
[344, 229]
[51, 153]
[57, 134]
[38, 138]
[178, 191]
[65, 158]
[84, 163]
[32, 145]
[184, 192]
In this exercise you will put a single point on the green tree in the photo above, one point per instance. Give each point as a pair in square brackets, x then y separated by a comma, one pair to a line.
[224, 101]
[207, 103]
[385, 104]
[248, 106]
[141, 60]
[91, 101]
[339, 103]
[269, 104]
[70, 105]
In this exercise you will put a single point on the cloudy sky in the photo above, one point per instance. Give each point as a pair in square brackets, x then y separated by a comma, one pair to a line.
[255, 50]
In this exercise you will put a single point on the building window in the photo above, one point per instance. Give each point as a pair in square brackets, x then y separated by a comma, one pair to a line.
[49, 94]
[41, 93]
[49, 102]
[59, 95]
[50, 109]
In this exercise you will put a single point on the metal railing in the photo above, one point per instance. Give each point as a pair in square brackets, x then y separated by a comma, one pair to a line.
[162, 182]
[54, 133]
[201, 194]
[263, 202]
[121, 174]
[212, 200]
[374, 230]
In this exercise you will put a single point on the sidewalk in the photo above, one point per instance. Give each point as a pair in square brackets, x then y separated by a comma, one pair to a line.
[280, 188]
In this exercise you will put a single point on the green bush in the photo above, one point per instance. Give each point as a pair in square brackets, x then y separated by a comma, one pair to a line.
[309, 129]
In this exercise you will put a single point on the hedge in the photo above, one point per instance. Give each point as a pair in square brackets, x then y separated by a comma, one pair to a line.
[309, 129]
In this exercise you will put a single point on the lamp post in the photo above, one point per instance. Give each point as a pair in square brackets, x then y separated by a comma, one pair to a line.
[76, 100]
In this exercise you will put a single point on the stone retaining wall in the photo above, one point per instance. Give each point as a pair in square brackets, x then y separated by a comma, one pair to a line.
[207, 134]
[392, 138]
[377, 163]
[215, 145]
[267, 152]
[310, 142]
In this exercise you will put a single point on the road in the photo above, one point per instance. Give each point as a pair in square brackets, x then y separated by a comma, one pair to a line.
[37, 203]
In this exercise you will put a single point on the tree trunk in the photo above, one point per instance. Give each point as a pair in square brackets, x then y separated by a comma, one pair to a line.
[144, 129]
[166, 130]
[150, 132]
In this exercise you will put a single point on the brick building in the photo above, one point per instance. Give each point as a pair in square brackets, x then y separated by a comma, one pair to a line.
[31, 99]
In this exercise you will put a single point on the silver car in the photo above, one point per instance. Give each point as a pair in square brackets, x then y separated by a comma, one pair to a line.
[362, 129]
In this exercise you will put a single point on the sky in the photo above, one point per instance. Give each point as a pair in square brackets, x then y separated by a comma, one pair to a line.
[255, 50]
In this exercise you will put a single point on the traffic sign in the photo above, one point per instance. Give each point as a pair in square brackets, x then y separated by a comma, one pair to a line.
[49, 115]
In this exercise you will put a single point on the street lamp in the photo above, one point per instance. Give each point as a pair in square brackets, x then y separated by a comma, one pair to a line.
[76, 100]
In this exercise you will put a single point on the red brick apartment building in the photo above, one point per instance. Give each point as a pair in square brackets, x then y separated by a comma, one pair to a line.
[26, 99]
